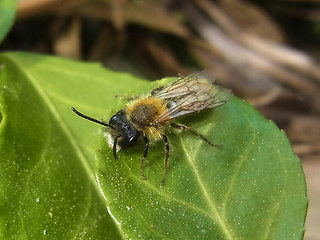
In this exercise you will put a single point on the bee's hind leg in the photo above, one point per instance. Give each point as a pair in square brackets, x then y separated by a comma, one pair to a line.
[167, 154]
[194, 132]
[145, 153]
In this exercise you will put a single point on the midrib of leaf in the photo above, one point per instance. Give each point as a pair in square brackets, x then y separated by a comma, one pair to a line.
[210, 202]
[169, 197]
[69, 135]
[63, 126]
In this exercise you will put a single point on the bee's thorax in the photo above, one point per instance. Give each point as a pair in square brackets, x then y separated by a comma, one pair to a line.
[143, 115]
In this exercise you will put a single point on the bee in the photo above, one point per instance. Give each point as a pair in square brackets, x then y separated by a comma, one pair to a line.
[148, 117]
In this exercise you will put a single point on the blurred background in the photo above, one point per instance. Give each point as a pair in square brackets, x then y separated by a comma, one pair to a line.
[267, 52]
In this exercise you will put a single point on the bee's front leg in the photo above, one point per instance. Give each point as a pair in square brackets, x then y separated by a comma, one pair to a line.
[145, 153]
[167, 154]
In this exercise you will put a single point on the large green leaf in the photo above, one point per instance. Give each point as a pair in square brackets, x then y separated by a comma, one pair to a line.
[7, 14]
[47, 182]
[251, 188]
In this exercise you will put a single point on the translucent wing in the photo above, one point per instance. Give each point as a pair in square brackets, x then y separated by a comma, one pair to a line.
[189, 94]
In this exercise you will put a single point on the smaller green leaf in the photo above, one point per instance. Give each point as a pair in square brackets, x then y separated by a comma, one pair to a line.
[252, 186]
[7, 14]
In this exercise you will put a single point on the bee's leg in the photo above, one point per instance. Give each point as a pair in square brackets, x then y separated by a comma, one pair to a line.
[167, 153]
[115, 148]
[194, 132]
[145, 153]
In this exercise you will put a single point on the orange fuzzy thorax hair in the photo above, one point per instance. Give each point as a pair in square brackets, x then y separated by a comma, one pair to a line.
[143, 114]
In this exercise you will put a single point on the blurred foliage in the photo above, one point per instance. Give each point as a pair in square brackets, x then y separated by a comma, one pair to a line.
[7, 11]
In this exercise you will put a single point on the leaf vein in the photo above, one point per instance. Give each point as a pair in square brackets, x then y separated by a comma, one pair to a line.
[239, 166]
[215, 213]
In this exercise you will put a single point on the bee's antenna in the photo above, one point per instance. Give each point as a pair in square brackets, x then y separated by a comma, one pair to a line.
[90, 118]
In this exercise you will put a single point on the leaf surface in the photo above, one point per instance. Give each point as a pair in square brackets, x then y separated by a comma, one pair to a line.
[47, 185]
[253, 186]
[50, 160]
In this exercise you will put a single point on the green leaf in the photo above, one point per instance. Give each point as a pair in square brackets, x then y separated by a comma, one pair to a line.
[252, 186]
[7, 14]
[47, 181]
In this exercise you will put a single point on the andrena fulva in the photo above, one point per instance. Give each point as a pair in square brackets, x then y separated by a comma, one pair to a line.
[148, 117]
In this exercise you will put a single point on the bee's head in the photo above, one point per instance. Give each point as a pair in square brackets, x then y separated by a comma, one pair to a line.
[122, 132]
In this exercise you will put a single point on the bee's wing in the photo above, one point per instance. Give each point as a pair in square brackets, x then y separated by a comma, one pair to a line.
[190, 94]
[182, 86]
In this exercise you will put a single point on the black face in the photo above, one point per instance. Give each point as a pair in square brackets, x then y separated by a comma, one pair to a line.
[126, 134]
